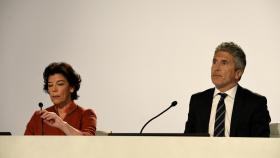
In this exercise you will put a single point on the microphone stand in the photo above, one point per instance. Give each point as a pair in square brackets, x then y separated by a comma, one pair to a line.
[174, 103]
[42, 121]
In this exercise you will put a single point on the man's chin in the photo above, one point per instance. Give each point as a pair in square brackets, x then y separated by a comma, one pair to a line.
[218, 85]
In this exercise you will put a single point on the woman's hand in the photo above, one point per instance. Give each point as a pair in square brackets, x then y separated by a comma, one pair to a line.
[52, 119]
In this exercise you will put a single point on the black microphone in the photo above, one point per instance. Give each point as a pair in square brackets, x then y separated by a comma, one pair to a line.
[174, 103]
[41, 105]
[42, 122]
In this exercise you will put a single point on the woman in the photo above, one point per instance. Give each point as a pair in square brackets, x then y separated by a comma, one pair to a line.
[65, 117]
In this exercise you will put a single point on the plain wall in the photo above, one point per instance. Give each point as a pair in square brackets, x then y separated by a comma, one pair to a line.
[134, 57]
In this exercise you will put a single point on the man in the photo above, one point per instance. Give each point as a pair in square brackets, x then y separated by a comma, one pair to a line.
[228, 109]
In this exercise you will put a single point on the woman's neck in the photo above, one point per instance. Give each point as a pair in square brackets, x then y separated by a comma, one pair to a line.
[62, 108]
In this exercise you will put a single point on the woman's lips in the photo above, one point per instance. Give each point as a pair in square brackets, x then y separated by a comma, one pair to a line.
[56, 96]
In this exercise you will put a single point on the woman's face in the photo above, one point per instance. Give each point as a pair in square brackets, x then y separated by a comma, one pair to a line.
[59, 89]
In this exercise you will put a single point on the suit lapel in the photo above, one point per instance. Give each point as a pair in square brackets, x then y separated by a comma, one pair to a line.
[238, 101]
[207, 102]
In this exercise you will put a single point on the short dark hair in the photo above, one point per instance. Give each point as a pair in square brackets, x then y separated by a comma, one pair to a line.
[236, 51]
[67, 71]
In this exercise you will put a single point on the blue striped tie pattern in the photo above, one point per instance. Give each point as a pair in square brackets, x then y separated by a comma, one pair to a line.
[219, 130]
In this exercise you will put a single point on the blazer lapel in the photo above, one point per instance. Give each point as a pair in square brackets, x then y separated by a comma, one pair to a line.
[238, 101]
[207, 102]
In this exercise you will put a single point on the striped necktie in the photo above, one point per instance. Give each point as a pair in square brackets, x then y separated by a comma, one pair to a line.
[219, 130]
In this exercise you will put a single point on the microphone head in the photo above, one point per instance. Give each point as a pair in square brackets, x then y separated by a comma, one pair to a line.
[174, 103]
[40, 104]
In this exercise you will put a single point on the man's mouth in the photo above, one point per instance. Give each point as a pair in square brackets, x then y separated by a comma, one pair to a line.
[216, 75]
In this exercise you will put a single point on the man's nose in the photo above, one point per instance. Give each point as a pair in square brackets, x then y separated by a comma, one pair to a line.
[216, 66]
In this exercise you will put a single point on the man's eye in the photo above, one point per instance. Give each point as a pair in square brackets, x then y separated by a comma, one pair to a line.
[214, 62]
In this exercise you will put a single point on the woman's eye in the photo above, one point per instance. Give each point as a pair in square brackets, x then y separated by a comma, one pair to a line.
[60, 84]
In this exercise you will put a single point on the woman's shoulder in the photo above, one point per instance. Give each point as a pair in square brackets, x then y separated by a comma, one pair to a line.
[51, 108]
[36, 113]
[85, 111]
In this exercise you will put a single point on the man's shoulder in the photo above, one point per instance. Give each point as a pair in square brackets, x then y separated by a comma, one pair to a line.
[250, 93]
[206, 92]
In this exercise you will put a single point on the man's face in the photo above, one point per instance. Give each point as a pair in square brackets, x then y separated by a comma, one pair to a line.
[224, 74]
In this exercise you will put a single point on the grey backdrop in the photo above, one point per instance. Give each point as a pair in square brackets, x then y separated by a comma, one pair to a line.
[135, 57]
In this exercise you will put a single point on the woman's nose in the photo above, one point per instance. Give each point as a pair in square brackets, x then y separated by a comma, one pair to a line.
[54, 89]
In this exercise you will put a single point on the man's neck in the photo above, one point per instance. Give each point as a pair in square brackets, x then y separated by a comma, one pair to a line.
[224, 89]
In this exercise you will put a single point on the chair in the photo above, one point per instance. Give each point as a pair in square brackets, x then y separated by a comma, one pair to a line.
[274, 130]
[102, 133]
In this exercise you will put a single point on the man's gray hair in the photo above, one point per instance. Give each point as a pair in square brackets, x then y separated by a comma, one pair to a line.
[236, 51]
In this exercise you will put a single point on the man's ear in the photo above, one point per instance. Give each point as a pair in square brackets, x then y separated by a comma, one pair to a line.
[238, 74]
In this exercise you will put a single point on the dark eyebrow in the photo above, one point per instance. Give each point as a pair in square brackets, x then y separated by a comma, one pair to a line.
[58, 81]
[61, 81]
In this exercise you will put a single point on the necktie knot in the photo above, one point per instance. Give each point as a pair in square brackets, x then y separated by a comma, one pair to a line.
[223, 95]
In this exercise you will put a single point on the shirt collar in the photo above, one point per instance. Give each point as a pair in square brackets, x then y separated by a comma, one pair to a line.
[230, 93]
[72, 106]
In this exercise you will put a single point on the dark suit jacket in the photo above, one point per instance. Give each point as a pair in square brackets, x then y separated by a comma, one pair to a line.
[250, 117]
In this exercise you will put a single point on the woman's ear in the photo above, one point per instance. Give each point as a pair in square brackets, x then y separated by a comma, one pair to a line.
[72, 89]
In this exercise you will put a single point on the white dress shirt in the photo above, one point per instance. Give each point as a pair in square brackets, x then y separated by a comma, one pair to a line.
[229, 101]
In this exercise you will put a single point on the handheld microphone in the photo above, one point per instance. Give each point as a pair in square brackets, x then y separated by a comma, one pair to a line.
[42, 122]
[174, 103]
[41, 105]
